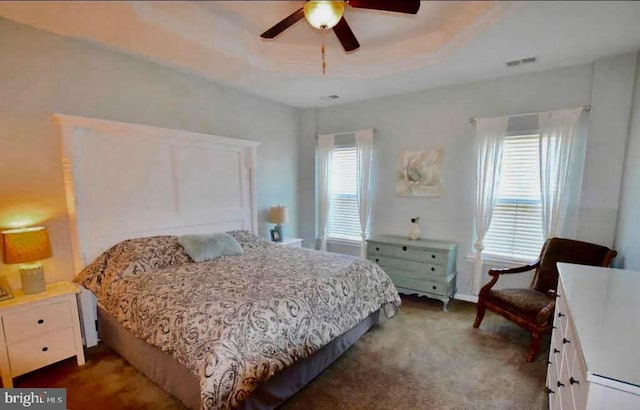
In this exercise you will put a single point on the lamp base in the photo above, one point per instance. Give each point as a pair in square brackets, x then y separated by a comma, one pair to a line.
[276, 233]
[32, 278]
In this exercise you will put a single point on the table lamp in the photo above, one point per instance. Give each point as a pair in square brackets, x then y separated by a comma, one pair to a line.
[278, 215]
[27, 245]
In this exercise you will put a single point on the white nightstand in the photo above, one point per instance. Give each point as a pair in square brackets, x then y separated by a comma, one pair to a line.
[38, 330]
[292, 242]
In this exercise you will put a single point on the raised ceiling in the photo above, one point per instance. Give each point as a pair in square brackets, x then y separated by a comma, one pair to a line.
[445, 43]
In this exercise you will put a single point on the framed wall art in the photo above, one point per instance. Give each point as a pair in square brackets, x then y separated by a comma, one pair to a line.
[419, 173]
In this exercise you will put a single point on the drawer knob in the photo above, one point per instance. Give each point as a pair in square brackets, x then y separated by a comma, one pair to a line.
[377, 260]
[560, 384]
[377, 248]
[560, 314]
[40, 321]
[433, 269]
[434, 288]
[556, 350]
[549, 391]
[573, 381]
[433, 256]
[565, 341]
[44, 349]
[404, 248]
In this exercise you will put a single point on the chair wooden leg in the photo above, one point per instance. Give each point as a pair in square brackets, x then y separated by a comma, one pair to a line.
[480, 309]
[533, 347]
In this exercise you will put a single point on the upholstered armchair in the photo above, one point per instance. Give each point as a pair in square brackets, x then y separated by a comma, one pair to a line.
[532, 308]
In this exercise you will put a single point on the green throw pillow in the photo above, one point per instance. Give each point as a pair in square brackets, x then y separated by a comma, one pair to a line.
[211, 246]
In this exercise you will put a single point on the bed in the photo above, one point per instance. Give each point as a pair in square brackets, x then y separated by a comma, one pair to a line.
[239, 331]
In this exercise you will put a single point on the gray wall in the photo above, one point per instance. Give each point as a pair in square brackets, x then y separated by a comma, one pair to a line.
[628, 232]
[440, 118]
[42, 73]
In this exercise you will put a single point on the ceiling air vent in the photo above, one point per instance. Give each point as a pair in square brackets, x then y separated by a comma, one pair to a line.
[522, 61]
[330, 97]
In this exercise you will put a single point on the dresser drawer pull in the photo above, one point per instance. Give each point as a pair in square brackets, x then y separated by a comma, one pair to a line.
[560, 384]
[560, 314]
[40, 321]
[404, 248]
[549, 391]
[377, 248]
[549, 362]
[433, 256]
[377, 260]
[556, 350]
[433, 269]
[573, 381]
[434, 287]
[44, 349]
[565, 341]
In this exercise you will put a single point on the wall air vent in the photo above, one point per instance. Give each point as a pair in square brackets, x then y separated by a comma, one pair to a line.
[522, 61]
[330, 97]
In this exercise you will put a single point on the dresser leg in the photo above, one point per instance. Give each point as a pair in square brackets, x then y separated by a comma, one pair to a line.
[445, 303]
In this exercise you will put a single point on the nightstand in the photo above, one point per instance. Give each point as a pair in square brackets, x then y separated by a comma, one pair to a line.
[292, 242]
[38, 330]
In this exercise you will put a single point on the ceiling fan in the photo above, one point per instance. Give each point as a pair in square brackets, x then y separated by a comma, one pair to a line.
[325, 15]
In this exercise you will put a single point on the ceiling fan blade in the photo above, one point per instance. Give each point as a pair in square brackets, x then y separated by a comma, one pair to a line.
[345, 35]
[287, 22]
[399, 6]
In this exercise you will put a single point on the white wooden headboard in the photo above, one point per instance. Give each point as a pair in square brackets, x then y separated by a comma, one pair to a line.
[126, 180]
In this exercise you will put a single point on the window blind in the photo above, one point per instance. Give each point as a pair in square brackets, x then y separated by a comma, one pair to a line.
[516, 225]
[344, 219]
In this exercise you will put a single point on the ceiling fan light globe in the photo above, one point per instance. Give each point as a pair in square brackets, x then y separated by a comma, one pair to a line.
[323, 15]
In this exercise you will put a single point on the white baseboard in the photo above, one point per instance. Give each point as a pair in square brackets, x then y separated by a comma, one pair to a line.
[465, 297]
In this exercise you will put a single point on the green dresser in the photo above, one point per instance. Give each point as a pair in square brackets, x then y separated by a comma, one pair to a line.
[423, 267]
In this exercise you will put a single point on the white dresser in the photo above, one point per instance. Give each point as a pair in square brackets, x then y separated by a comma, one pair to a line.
[594, 358]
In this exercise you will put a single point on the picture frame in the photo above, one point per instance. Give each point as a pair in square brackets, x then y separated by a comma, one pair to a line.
[5, 289]
[419, 173]
[275, 235]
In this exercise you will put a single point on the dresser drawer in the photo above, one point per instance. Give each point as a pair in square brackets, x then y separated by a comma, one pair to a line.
[409, 253]
[38, 320]
[414, 269]
[427, 286]
[41, 351]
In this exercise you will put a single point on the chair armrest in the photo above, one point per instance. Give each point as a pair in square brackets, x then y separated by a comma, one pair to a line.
[519, 269]
[495, 274]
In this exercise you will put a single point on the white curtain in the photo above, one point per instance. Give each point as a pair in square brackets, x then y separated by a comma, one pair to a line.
[364, 151]
[490, 134]
[558, 135]
[325, 145]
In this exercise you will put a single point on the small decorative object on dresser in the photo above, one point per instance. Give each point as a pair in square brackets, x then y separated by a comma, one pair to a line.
[5, 289]
[423, 267]
[38, 330]
[414, 231]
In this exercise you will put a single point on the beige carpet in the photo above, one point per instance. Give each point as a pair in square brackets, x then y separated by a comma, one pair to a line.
[423, 358]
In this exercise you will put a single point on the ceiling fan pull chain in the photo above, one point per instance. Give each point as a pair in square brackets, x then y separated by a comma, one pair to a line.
[324, 64]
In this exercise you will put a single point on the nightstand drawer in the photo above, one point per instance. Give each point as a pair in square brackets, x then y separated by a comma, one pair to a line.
[39, 320]
[41, 351]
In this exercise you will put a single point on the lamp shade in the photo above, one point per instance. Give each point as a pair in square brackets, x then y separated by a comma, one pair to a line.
[278, 215]
[323, 14]
[26, 245]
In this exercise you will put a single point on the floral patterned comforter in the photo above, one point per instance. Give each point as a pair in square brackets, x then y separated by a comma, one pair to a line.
[237, 320]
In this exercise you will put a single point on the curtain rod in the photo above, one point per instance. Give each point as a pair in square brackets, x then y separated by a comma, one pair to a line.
[584, 108]
[345, 132]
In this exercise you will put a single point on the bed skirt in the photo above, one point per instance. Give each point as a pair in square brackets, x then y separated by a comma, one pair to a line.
[175, 379]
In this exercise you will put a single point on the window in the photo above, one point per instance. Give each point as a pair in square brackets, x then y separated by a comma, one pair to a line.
[344, 219]
[516, 225]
